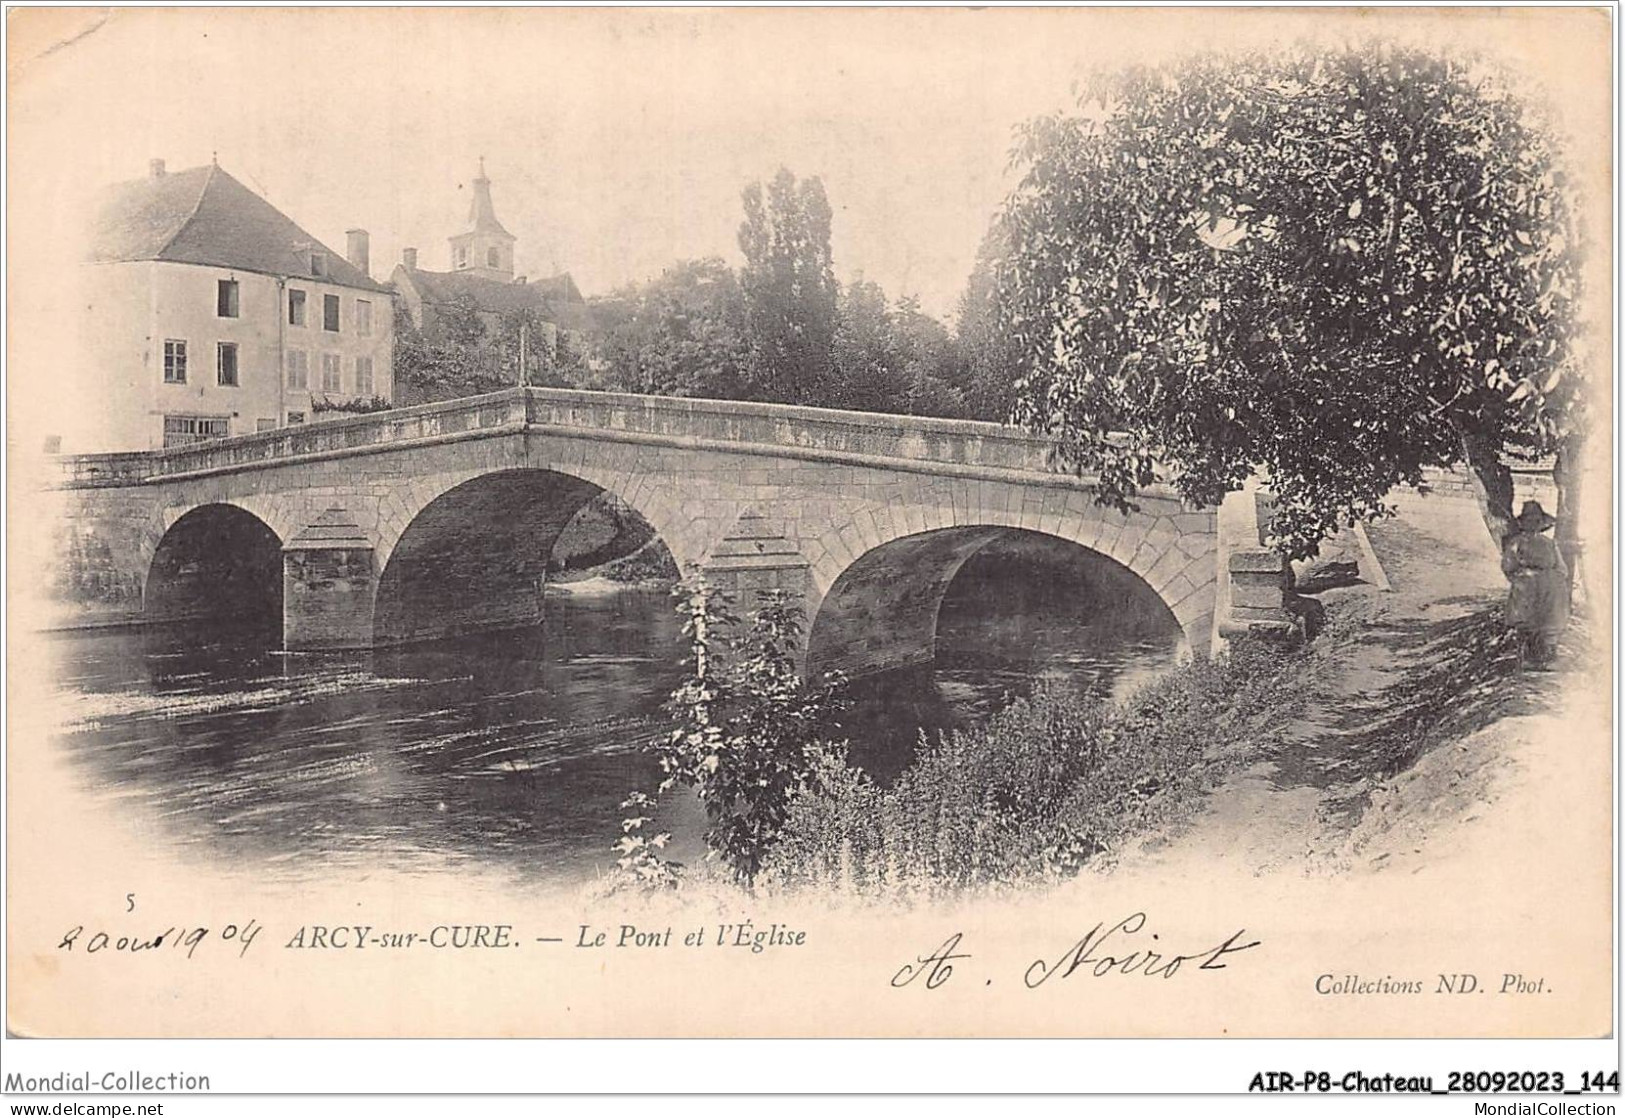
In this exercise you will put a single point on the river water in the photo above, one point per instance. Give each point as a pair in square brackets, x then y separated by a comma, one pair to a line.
[507, 751]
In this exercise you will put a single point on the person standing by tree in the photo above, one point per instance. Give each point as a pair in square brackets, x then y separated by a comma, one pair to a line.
[1538, 594]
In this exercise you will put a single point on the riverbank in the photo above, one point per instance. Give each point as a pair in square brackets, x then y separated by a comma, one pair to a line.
[1419, 741]
[1405, 738]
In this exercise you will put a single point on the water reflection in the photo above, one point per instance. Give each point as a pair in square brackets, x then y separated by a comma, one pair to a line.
[1022, 610]
[512, 749]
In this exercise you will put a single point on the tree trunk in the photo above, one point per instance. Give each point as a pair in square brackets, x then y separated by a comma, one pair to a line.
[1492, 480]
[1566, 477]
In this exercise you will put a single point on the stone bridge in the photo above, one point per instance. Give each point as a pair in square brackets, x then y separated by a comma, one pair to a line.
[437, 520]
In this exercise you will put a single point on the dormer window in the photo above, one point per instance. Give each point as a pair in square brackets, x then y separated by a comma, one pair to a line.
[318, 263]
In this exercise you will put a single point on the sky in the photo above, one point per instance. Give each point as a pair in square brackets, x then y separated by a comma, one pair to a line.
[617, 140]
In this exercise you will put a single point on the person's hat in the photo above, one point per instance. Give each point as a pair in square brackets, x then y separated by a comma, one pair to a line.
[1533, 518]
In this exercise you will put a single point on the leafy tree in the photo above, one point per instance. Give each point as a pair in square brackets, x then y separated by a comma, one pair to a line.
[571, 362]
[782, 329]
[748, 729]
[473, 351]
[1342, 268]
[520, 338]
[789, 288]
[931, 361]
[866, 367]
[682, 334]
[457, 364]
[986, 350]
[460, 324]
[890, 358]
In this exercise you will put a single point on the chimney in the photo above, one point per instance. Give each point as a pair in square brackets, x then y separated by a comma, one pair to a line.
[155, 168]
[358, 250]
[409, 258]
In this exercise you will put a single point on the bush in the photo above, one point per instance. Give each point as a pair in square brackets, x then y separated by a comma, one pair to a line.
[650, 563]
[360, 405]
[1035, 792]
[748, 732]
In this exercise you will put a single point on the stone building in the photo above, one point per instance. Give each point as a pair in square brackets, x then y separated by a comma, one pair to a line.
[209, 312]
[482, 281]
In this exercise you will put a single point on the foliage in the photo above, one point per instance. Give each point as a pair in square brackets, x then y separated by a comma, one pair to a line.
[866, 372]
[682, 334]
[454, 365]
[781, 330]
[651, 562]
[748, 726]
[604, 530]
[570, 362]
[640, 861]
[474, 351]
[358, 405]
[987, 353]
[1341, 267]
[1039, 789]
[890, 358]
[789, 289]
[520, 341]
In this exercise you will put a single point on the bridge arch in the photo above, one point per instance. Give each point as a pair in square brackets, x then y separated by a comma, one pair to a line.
[215, 560]
[474, 553]
[878, 582]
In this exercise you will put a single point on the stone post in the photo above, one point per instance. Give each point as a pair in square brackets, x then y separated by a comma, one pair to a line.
[1254, 580]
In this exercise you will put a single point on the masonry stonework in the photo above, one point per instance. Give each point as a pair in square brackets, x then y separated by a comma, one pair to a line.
[864, 518]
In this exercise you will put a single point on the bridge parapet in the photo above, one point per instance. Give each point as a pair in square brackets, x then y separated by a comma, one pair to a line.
[787, 429]
[918, 443]
[425, 423]
[85, 470]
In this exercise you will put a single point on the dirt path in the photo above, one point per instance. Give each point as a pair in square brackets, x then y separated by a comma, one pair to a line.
[1416, 729]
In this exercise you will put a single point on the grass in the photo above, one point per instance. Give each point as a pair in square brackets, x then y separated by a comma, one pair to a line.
[1039, 790]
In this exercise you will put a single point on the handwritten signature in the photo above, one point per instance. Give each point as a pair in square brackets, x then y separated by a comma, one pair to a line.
[1104, 950]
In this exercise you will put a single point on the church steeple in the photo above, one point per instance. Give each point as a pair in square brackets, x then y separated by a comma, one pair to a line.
[485, 248]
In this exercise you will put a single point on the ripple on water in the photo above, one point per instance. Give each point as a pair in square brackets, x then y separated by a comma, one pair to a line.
[502, 750]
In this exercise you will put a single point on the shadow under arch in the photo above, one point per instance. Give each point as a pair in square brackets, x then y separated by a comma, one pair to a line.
[216, 562]
[477, 558]
[883, 610]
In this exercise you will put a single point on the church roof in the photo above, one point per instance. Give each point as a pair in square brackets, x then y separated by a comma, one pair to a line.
[491, 294]
[204, 216]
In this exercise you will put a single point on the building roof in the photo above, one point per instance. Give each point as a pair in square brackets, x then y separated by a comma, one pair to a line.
[493, 295]
[204, 216]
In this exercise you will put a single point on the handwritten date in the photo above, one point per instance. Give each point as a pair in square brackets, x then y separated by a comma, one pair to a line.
[181, 940]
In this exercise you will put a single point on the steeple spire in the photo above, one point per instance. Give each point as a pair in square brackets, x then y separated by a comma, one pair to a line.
[485, 248]
[482, 216]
